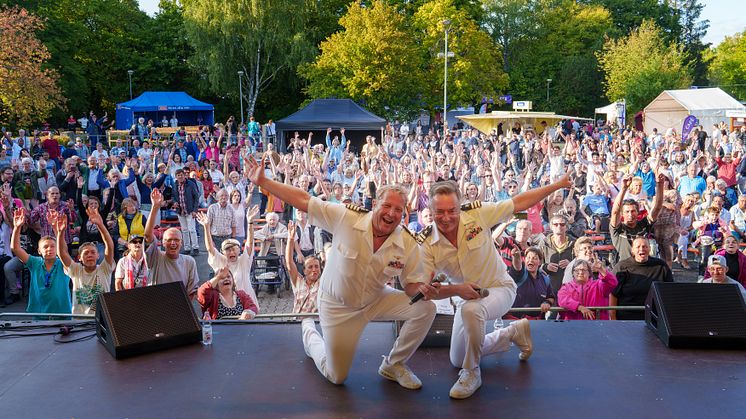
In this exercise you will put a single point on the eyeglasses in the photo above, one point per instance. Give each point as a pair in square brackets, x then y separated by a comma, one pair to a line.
[559, 224]
[579, 270]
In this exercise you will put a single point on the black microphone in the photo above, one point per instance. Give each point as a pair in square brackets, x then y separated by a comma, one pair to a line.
[441, 277]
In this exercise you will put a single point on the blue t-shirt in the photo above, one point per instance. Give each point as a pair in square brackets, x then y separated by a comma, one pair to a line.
[53, 298]
[598, 204]
[689, 185]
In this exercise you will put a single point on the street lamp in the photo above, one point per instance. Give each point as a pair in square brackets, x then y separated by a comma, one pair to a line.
[240, 92]
[129, 73]
[548, 81]
[446, 26]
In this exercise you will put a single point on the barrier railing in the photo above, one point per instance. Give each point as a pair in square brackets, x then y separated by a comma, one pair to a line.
[234, 319]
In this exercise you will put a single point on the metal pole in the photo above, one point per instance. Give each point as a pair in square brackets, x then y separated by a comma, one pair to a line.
[129, 73]
[445, 81]
[548, 81]
[240, 92]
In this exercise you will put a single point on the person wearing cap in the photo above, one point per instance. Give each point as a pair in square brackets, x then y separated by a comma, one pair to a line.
[132, 269]
[635, 275]
[229, 254]
[717, 267]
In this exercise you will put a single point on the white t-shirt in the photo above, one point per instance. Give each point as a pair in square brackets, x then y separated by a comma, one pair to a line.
[88, 285]
[241, 270]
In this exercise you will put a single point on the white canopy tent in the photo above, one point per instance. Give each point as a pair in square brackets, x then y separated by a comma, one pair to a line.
[671, 107]
[609, 110]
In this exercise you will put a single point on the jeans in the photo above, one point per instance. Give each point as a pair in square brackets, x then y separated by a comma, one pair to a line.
[188, 232]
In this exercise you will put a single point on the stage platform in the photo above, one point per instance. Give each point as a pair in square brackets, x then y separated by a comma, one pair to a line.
[580, 369]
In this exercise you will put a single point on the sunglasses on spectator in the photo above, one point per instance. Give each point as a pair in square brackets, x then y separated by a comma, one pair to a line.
[559, 224]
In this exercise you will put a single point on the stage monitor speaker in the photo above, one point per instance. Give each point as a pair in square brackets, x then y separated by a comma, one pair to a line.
[141, 320]
[692, 315]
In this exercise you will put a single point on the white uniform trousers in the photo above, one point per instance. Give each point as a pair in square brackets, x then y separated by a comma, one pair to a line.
[343, 326]
[468, 339]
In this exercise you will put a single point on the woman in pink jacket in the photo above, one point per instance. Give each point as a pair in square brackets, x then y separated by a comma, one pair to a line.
[583, 292]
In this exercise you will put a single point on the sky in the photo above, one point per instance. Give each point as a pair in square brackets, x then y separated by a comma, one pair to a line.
[722, 14]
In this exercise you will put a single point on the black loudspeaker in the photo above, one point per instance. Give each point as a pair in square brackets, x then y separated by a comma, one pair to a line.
[691, 315]
[439, 335]
[141, 320]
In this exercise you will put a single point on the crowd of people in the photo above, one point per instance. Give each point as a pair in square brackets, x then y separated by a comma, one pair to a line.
[572, 215]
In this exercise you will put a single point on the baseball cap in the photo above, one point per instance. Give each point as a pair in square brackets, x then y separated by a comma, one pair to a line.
[135, 237]
[228, 244]
[716, 260]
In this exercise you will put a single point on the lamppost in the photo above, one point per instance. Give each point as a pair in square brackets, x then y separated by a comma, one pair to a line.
[446, 27]
[548, 81]
[129, 73]
[240, 92]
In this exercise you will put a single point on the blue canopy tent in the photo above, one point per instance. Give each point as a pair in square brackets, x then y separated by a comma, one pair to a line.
[156, 105]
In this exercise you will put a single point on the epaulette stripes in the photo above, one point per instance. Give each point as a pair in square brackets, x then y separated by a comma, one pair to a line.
[356, 208]
[424, 234]
[471, 206]
[410, 232]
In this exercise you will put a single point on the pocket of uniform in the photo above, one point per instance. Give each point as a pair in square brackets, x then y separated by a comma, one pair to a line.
[346, 252]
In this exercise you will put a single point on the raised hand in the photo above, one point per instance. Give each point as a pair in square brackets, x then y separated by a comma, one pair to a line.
[19, 217]
[252, 213]
[94, 216]
[156, 198]
[61, 223]
[202, 218]
[52, 217]
[566, 180]
[81, 182]
[7, 190]
[255, 170]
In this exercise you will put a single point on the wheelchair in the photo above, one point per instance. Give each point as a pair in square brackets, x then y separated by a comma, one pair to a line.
[269, 271]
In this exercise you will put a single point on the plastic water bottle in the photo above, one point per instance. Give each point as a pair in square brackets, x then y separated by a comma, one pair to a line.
[499, 323]
[207, 333]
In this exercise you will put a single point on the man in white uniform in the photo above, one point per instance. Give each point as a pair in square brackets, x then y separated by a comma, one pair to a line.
[460, 246]
[368, 250]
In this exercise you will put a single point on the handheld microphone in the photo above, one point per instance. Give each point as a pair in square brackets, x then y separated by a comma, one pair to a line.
[483, 292]
[441, 277]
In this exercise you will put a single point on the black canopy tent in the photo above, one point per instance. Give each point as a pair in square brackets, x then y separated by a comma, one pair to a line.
[321, 114]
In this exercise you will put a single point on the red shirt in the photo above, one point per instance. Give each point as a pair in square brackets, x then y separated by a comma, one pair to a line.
[727, 171]
[52, 147]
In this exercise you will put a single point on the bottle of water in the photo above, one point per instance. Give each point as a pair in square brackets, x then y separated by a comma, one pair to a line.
[499, 323]
[207, 333]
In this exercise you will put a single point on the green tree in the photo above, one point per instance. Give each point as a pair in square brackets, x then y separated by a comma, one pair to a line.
[728, 65]
[28, 88]
[262, 38]
[474, 71]
[639, 66]
[374, 60]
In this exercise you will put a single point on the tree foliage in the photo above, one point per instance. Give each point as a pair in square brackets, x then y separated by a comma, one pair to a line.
[28, 88]
[728, 65]
[639, 66]
[374, 60]
[262, 38]
[389, 61]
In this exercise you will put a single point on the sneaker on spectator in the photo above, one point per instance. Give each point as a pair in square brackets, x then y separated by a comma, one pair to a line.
[522, 338]
[400, 373]
[468, 382]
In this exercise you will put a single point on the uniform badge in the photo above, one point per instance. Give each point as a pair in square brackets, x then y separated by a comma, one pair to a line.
[396, 265]
[473, 232]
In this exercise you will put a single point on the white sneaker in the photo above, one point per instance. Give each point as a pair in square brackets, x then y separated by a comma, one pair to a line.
[522, 339]
[468, 382]
[400, 373]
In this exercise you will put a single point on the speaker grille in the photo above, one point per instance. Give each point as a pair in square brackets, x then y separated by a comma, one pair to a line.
[703, 309]
[149, 313]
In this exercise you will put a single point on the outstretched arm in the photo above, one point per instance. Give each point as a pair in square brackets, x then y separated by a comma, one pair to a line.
[289, 249]
[296, 197]
[156, 198]
[526, 200]
[95, 218]
[19, 219]
[203, 219]
[60, 224]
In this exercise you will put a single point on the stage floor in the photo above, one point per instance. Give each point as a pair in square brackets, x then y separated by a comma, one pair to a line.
[578, 369]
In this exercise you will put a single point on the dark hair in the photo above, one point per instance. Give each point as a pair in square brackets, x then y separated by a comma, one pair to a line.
[535, 250]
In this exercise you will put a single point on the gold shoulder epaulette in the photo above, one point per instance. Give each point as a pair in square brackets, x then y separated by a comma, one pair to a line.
[355, 208]
[471, 206]
[424, 234]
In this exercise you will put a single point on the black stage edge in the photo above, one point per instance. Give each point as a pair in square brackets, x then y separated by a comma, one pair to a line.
[586, 369]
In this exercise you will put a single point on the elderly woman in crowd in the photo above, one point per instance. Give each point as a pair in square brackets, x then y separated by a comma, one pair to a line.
[584, 291]
[131, 222]
[219, 298]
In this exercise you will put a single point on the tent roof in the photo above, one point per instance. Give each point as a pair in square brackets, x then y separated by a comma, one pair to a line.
[487, 121]
[323, 113]
[610, 108]
[695, 100]
[165, 101]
